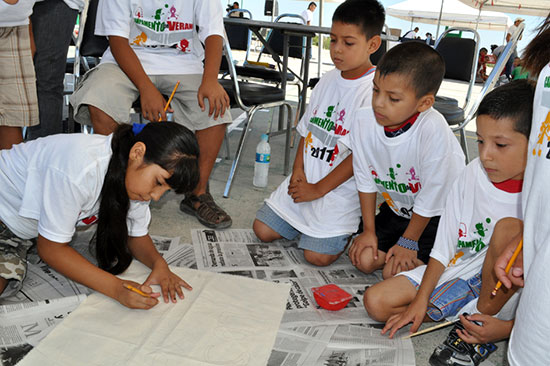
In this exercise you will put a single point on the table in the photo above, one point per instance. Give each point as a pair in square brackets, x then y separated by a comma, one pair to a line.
[287, 29]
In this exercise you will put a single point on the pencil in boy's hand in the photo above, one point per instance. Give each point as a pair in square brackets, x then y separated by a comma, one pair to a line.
[509, 265]
[137, 291]
[170, 99]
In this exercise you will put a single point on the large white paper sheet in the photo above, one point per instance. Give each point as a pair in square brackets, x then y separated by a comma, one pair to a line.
[225, 320]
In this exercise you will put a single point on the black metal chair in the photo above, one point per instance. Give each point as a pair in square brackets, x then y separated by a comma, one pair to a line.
[460, 55]
[251, 97]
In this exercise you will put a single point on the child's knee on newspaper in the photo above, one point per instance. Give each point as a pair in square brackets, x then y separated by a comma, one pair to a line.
[13, 264]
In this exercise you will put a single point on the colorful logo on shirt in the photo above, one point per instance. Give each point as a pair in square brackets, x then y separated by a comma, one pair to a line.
[471, 247]
[393, 185]
[327, 132]
[156, 22]
[544, 133]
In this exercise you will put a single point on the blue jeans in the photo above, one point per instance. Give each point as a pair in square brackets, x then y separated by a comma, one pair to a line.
[52, 24]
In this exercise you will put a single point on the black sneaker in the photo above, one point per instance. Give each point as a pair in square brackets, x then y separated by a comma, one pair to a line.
[455, 352]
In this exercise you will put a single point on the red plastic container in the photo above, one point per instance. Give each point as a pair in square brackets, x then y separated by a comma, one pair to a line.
[331, 297]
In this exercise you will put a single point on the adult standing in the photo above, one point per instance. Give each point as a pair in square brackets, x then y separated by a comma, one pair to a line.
[53, 22]
[529, 339]
[308, 13]
[513, 28]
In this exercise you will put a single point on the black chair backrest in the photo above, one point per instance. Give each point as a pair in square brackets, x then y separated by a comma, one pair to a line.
[375, 57]
[92, 45]
[459, 54]
[296, 44]
[237, 36]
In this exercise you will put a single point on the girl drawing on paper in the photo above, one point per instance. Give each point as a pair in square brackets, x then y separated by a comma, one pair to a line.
[53, 184]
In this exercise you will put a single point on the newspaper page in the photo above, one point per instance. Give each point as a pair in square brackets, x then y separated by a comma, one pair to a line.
[175, 253]
[340, 345]
[23, 325]
[283, 262]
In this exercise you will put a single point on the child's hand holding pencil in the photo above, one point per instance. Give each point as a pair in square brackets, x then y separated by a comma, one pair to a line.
[509, 265]
[136, 296]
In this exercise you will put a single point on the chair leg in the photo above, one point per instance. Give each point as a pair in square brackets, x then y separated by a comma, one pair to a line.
[235, 164]
[464, 144]
[226, 139]
[288, 133]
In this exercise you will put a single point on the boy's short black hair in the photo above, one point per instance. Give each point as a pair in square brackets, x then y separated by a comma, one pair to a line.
[311, 3]
[420, 63]
[513, 100]
[369, 15]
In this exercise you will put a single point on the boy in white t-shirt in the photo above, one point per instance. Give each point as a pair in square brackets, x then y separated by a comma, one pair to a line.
[488, 191]
[153, 45]
[319, 201]
[403, 150]
[307, 14]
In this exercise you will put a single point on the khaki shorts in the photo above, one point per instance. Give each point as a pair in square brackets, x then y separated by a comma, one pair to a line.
[13, 260]
[107, 88]
[18, 100]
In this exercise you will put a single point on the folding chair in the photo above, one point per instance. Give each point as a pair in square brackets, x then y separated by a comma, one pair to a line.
[251, 97]
[487, 87]
[460, 55]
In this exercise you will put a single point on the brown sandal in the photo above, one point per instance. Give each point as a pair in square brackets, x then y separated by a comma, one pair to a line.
[208, 212]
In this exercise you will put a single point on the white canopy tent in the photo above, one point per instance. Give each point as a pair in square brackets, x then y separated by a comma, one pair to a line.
[539, 8]
[452, 13]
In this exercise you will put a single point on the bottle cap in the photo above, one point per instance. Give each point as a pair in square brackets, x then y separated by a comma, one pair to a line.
[265, 137]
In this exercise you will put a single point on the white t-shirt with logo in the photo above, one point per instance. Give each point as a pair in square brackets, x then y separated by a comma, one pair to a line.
[472, 209]
[529, 339]
[326, 120]
[16, 14]
[412, 171]
[163, 35]
[52, 184]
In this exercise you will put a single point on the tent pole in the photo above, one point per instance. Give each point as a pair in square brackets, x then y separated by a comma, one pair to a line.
[478, 17]
[320, 48]
[439, 20]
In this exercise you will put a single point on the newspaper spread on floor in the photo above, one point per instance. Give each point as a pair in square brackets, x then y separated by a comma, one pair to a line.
[239, 252]
[309, 335]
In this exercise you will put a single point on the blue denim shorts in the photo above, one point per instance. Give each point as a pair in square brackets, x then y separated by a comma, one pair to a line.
[333, 245]
[449, 297]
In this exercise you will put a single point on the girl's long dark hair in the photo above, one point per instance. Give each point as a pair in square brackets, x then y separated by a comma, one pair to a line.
[537, 52]
[169, 145]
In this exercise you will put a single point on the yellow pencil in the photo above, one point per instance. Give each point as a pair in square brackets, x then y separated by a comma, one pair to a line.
[170, 99]
[509, 265]
[427, 330]
[137, 291]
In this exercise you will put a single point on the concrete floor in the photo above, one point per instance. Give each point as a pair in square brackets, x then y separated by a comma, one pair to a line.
[244, 201]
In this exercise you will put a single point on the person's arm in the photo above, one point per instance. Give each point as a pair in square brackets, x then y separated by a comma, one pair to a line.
[302, 191]
[488, 329]
[402, 258]
[143, 249]
[210, 88]
[68, 262]
[416, 311]
[152, 101]
[515, 276]
[367, 239]
[298, 173]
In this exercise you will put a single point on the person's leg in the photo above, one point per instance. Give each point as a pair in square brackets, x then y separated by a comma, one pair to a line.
[103, 98]
[389, 228]
[210, 133]
[389, 297]
[102, 123]
[268, 226]
[10, 136]
[506, 230]
[18, 103]
[50, 17]
[210, 140]
[323, 251]
[13, 263]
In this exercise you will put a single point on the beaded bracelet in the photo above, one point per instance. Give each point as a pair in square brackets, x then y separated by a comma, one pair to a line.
[407, 243]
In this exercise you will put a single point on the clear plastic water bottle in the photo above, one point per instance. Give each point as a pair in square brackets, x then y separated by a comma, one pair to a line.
[261, 166]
